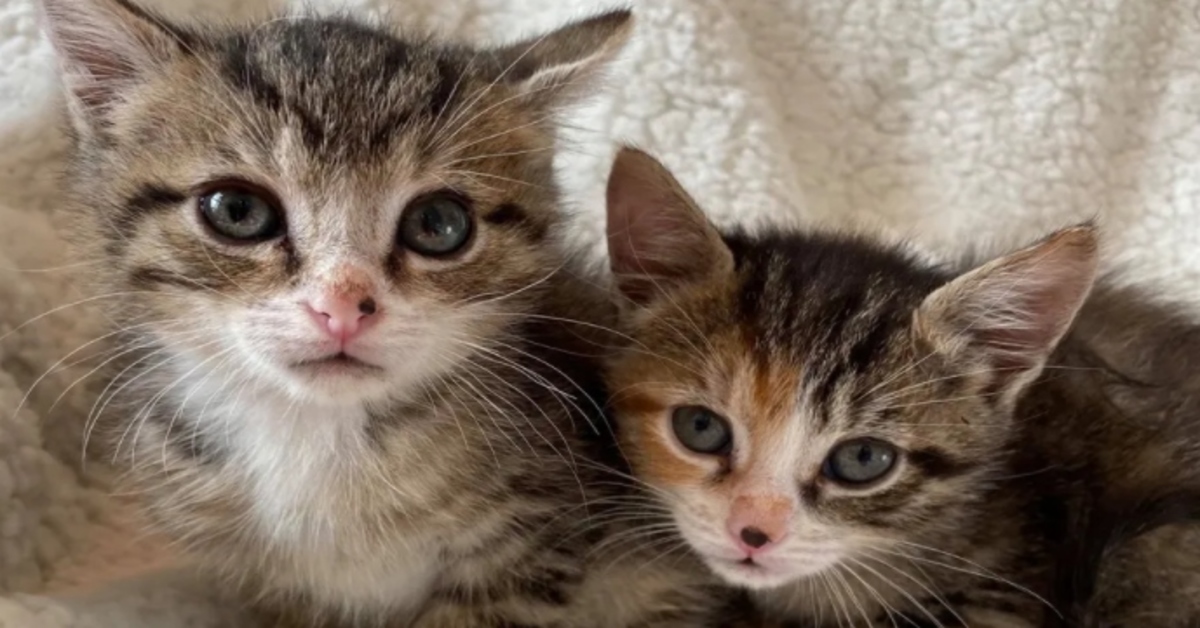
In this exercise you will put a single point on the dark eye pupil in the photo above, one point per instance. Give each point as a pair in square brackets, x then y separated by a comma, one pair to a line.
[865, 454]
[434, 222]
[238, 206]
[701, 423]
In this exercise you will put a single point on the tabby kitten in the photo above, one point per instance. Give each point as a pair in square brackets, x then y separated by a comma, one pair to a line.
[357, 377]
[862, 439]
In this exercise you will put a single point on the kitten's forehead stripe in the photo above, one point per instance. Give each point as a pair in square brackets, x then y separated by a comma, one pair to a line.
[449, 78]
[773, 388]
[351, 89]
[872, 343]
[864, 290]
[244, 74]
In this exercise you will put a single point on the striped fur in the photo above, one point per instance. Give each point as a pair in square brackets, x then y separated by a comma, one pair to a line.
[459, 478]
[1040, 479]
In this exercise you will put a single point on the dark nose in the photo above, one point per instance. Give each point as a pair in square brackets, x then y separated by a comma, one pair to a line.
[754, 537]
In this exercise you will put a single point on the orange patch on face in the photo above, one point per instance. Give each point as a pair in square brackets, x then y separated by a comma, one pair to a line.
[759, 395]
[659, 463]
[645, 441]
[765, 394]
[637, 404]
[775, 390]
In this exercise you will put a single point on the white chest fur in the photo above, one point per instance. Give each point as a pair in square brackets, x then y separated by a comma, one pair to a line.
[314, 481]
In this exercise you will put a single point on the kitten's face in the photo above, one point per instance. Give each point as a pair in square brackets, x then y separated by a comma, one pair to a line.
[333, 210]
[809, 406]
[796, 432]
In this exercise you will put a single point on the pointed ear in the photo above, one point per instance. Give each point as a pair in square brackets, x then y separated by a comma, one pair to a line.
[562, 65]
[103, 47]
[658, 239]
[1012, 312]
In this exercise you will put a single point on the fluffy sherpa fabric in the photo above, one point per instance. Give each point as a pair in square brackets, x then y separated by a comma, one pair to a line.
[952, 122]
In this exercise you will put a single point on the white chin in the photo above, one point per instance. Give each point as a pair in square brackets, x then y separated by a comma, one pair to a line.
[767, 573]
[337, 383]
[750, 576]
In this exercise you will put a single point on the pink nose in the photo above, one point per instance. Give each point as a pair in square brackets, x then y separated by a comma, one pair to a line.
[342, 317]
[758, 522]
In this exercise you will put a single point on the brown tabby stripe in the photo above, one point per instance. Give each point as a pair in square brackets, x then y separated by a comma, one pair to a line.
[148, 199]
[320, 118]
[148, 277]
[935, 463]
[513, 215]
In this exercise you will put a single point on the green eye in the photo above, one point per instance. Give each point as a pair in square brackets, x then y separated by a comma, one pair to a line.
[241, 213]
[860, 462]
[701, 430]
[435, 225]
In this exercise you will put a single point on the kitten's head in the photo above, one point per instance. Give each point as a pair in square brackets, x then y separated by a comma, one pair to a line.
[338, 210]
[804, 402]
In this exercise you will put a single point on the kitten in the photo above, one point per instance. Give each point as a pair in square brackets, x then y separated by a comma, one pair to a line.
[862, 439]
[358, 380]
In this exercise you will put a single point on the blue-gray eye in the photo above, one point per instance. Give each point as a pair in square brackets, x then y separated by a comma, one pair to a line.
[860, 461]
[241, 213]
[435, 225]
[701, 430]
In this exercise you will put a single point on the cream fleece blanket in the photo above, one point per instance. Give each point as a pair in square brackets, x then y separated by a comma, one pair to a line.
[954, 122]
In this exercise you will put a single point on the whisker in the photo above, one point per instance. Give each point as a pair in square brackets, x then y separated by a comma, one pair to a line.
[146, 412]
[981, 571]
[851, 594]
[941, 600]
[60, 308]
[887, 608]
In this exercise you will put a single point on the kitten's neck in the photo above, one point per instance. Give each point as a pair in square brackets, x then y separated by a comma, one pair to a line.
[301, 490]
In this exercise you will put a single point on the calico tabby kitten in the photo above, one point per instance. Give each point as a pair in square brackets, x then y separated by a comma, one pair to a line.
[358, 379]
[863, 439]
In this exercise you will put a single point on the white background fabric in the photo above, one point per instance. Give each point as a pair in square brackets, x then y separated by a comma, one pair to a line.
[958, 123]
